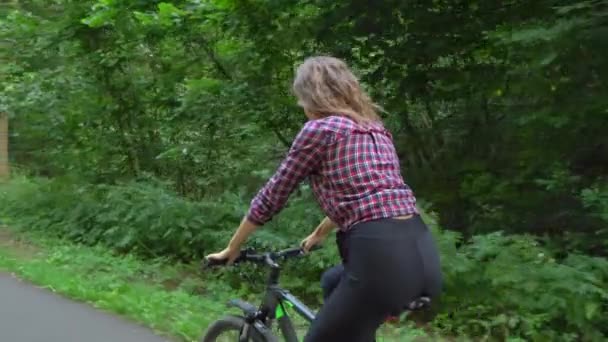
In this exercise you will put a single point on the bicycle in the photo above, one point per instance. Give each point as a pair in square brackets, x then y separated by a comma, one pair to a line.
[255, 325]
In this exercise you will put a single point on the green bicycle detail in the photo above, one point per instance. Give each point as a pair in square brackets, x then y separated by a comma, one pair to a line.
[280, 312]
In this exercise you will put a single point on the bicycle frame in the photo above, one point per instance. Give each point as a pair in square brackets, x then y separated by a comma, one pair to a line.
[273, 308]
[279, 299]
[276, 299]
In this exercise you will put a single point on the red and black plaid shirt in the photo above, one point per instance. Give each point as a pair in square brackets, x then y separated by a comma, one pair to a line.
[353, 169]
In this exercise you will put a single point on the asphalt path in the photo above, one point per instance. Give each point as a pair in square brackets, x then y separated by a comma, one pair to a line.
[31, 314]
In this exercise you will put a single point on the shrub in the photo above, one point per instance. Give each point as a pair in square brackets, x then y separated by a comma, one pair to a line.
[506, 286]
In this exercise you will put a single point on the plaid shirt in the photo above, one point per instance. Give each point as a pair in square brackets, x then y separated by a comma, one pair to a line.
[353, 169]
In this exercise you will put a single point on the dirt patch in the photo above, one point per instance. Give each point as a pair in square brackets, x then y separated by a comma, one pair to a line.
[5, 236]
[18, 247]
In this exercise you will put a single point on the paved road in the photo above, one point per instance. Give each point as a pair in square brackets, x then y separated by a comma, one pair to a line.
[30, 314]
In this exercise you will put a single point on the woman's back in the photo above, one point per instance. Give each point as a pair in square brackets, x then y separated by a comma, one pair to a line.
[359, 177]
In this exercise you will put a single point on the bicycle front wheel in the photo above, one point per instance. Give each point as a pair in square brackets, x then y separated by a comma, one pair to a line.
[228, 329]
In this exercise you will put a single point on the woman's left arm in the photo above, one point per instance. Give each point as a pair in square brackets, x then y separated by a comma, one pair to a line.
[303, 158]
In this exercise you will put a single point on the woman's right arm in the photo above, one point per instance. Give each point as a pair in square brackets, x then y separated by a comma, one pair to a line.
[325, 227]
[319, 234]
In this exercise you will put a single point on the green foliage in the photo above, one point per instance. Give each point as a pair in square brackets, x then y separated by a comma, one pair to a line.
[487, 101]
[595, 200]
[522, 290]
[496, 286]
[159, 119]
[151, 221]
[139, 217]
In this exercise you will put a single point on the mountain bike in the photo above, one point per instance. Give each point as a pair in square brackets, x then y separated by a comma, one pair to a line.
[256, 323]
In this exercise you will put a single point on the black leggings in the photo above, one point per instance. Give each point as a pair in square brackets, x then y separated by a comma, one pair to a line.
[390, 263]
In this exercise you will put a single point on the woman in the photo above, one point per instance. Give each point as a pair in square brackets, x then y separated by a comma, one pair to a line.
[350, 159]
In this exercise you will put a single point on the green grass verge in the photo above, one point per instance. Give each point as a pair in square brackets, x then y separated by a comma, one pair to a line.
[174, 300]
[144, 292]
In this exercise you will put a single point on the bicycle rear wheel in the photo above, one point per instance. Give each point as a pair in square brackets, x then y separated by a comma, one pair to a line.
[228, 329]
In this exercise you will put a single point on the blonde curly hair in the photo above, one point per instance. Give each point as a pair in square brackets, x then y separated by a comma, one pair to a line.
[326, 86]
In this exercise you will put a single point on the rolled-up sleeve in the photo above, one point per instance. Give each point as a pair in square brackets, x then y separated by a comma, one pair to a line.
[303, 158]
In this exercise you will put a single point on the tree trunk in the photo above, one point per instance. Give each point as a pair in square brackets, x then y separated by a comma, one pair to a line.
[4, 168]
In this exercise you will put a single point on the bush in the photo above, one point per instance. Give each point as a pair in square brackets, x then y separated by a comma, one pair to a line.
[151, 221]
[506, 286]
[136, 217]
[495, 285]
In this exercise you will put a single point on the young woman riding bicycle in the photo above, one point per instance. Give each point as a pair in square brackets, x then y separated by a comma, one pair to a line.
[388, 254]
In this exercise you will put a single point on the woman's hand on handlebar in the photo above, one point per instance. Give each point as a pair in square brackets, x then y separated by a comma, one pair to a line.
[227, 254]
[320, 233]
[233, 251]
[312, 240]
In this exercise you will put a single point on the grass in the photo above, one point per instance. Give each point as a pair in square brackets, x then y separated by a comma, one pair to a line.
[123, 285]
[173, 299]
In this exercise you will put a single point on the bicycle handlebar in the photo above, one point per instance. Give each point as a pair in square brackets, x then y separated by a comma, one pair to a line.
[268, 258]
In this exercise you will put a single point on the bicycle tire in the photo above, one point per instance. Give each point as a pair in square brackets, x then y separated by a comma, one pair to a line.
[235, 323]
